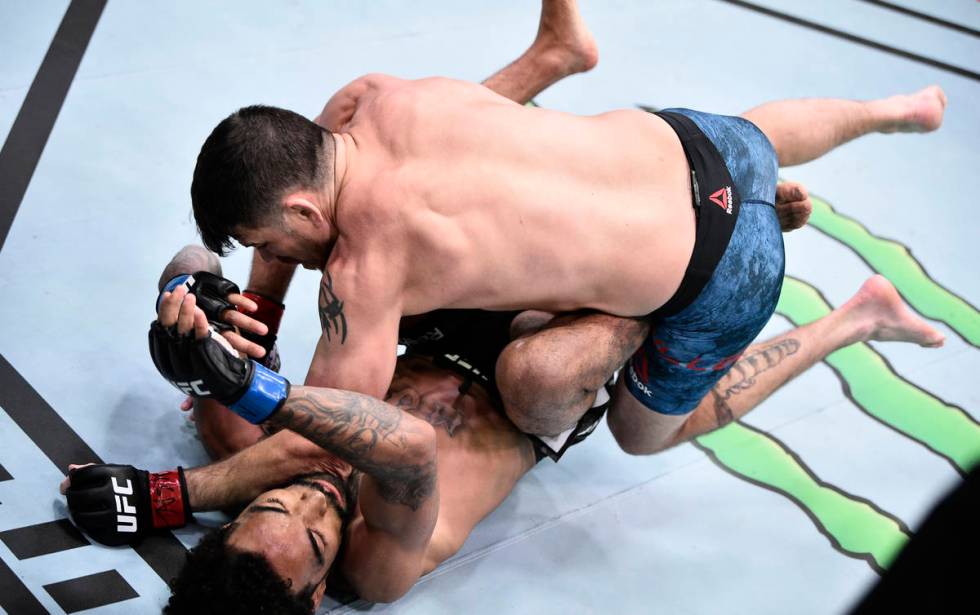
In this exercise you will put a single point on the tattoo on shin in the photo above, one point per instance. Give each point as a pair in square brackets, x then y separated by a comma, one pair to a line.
[403, 395]
[332, 318]
[744, 373]
[366, 433]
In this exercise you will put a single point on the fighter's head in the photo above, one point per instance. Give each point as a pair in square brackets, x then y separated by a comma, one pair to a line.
[264, 177]
[274, 558]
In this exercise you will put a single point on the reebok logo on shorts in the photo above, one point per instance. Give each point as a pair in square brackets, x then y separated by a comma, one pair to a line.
[723, 198]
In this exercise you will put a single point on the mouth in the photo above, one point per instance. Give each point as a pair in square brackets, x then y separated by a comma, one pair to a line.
[327, 488]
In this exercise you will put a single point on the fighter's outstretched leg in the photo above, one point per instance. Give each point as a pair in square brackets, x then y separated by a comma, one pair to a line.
[875, 312]
[805, 129]
[563, 46]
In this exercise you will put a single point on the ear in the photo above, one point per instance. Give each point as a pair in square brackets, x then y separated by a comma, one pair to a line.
[318, 593]
[303, 206]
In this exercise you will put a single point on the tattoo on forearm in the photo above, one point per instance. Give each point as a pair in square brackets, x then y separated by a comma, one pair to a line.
[365, 432]
[439, 415]
[744, 373]
[332, 318]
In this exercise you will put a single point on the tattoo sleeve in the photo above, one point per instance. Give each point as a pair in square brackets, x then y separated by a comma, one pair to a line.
[374, 437]
[331, 309]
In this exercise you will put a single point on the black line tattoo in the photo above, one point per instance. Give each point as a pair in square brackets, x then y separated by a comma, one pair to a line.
[723, 412]
[744, 373]
[403, 395]
[331, 309]
[365, 432]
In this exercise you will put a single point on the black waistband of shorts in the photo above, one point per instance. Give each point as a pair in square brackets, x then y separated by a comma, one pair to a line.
[462, 367]
[716, 205]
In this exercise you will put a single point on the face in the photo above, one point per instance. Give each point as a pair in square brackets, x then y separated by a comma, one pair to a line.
[296, 528]
[296, 238]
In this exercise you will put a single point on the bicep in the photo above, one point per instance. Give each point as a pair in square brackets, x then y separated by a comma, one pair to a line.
[358, 340]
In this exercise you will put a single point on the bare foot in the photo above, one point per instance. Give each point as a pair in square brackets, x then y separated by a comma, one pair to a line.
[563, 39]
[888, 319]
[920, 111]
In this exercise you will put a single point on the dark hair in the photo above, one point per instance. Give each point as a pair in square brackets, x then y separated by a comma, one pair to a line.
[248, 162]
[219, 579]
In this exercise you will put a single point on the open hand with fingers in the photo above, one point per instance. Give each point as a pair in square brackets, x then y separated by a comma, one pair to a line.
[248, 320]
[192, 355]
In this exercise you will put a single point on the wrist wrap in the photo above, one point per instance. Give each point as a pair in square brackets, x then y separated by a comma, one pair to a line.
[169, 499]
[269, 311]
[170, 286]
[266, 393]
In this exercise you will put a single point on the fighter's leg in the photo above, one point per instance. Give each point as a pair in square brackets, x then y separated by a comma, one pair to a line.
[548, 376]
[876, 312]
[222, 432]
[805, 129]
[563, 46]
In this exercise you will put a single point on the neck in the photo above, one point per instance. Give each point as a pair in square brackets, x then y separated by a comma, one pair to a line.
[343, 154]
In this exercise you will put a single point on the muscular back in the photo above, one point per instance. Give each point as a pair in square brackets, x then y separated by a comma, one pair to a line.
[476, 201]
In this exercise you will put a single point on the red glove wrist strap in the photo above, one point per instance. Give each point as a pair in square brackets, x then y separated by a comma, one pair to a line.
[167, 500]
[269, 312]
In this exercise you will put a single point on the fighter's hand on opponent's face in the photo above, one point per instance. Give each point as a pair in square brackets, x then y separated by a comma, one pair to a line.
[793, 205]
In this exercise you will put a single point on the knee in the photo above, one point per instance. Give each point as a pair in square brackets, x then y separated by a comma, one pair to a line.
[528, 380]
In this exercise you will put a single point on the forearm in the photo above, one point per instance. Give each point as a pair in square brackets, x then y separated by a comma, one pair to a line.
[270, 278]
[393, 447]
[242, 477]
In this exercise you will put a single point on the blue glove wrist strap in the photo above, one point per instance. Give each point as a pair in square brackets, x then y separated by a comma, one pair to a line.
[267, 391]
[174, 282]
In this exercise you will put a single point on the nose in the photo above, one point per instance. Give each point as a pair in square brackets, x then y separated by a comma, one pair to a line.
[314, 502]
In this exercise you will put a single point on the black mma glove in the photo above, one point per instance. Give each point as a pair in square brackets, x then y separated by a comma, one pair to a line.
[211, 291]
[210, 368]
[120, 505]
